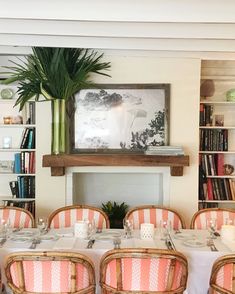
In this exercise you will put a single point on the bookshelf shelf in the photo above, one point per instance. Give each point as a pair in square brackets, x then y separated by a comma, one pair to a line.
[17, 125]
[21, 182]
[216, 137]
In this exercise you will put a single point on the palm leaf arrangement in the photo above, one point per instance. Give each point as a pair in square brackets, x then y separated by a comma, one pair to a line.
[55, 74]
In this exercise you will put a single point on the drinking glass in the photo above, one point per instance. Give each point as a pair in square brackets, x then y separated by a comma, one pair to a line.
[91, 228]
[5, 226]
[211, 227]
[229, 221]
[128, 228]
[42, 224]
[165, 228]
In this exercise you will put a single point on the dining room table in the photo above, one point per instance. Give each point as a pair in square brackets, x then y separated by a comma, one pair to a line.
[192, 243]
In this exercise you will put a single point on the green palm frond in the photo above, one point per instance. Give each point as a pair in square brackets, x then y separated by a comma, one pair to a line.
[56, 73]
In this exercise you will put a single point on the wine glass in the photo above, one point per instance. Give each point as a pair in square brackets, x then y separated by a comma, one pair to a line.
[128, 228]
[165, 228]
[91, 228]
[211, 227]
[42, 224]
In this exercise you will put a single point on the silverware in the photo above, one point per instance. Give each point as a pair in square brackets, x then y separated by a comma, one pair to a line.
[34, 244]
[210, 243]
[3, 241]
[117, 243]
[90, 243]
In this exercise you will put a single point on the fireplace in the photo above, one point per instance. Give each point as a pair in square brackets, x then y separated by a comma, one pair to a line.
[133, 185]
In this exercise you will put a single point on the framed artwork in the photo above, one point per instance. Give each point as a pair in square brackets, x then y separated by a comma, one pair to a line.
[121, 118]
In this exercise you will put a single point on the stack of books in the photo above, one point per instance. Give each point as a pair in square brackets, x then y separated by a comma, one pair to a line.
[164, 150]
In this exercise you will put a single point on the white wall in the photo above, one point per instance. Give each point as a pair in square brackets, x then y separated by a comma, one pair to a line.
[184, 77]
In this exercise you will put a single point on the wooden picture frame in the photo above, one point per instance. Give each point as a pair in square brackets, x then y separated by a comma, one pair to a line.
[120, 118]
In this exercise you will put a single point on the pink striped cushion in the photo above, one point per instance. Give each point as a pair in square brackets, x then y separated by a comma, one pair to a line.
[154, 216]
[67, 218]
[220, 216]
[50, 276]
[143, 274]
[17, 218]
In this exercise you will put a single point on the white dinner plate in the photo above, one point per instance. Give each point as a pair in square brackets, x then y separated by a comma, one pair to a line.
[194, 243]
[48, 238]
[21, 239]
[24, 234]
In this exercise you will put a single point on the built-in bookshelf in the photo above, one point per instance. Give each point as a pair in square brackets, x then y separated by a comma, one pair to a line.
[217, 136]
[17, 152]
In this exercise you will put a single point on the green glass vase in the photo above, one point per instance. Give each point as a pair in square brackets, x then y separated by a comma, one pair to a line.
[58, 142]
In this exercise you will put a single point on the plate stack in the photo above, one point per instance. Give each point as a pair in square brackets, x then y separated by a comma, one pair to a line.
[164, 150]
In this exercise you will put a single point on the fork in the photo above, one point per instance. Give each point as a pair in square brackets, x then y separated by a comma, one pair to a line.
[34, 243]
[211, 244]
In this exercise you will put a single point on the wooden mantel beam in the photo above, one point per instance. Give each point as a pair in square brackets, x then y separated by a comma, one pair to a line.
[58, 163]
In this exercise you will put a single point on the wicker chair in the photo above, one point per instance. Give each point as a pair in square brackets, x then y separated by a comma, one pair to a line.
[200, 218]
[68, 215]
[50, 272]
[143, 271]
[154, 214]
[17, 217]
[222, 275]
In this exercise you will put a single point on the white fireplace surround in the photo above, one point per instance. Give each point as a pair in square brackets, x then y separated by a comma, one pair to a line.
[133, 185]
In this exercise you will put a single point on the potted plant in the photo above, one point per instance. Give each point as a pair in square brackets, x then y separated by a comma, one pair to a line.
[55, 74]
[116, 213]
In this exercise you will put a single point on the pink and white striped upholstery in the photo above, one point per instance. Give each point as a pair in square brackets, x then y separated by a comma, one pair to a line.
[50, 272]
[154, 214]
[149, 270]
[18, 217]
[68, 215]
[200, 218]
[223, 275]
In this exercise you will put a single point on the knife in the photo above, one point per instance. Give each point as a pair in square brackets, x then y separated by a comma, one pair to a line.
[90, 243]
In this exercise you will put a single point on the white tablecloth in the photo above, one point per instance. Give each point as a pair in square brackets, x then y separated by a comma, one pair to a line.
[200, 259]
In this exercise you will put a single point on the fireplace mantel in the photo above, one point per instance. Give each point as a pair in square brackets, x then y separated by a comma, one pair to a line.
[58, 163]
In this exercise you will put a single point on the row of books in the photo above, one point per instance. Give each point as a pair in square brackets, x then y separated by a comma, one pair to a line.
[214, 140]
[28, 139]
[215, 188]
[164, 150]
[206, 115]
[24, 187]
[212, 164]
[24, 162]
[28, 113]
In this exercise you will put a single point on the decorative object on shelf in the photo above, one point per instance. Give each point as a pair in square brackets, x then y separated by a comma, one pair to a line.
[121, 118]
[6, 166]
[219, 120]
[7, 120]
[7, 93]
[230, 95]
[116, 213]
[207, 88]
[56, 74]
[228, 169]
[6, 142]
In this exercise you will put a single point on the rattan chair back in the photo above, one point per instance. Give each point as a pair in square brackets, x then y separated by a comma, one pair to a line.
[17, 217]
[199, 219]
[143, 271]
[222, 280]
[154, 214]
[68, 215]
[50, 272]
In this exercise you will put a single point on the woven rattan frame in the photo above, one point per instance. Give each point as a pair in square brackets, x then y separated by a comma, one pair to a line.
[201, 211]
[54, 213]
[22, 210]
[141, 253]
[74, 258]
[220, 262]
[156, 207]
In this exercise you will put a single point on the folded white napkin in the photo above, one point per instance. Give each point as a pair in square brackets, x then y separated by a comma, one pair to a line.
[65, 243]
[144, 243]
[230, 244]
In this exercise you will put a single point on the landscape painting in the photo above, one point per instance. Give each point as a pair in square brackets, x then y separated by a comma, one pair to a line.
[121, 117]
